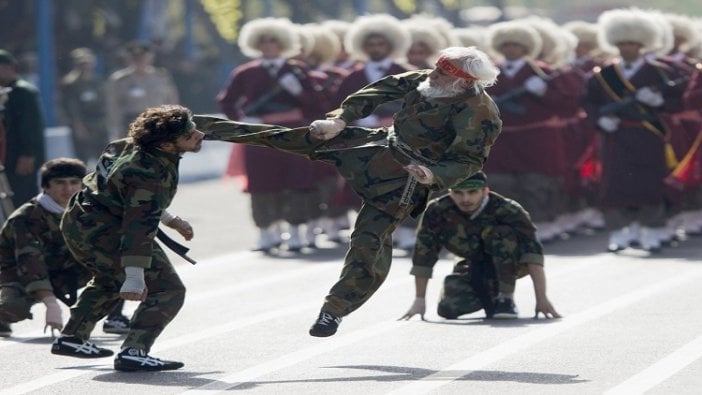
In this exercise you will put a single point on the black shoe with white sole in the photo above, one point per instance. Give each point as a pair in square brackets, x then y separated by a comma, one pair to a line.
[325, 325]
[118, 324]
[505, 309]
[137, 360]
[75, 347]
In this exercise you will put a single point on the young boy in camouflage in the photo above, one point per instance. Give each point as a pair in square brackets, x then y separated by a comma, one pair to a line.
[441, 136]
[110, 227]
[495, 241]
[35, 264]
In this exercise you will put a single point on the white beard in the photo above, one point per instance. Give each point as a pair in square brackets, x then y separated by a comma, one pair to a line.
[431, 92]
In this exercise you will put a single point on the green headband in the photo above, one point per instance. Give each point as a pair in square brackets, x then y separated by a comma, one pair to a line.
[469, 184]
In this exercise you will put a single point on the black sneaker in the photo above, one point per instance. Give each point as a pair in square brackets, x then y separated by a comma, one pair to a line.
[118, 324]
[76, 347]
[505, 309]
[325, 325]
[5, 330]
[135, 359]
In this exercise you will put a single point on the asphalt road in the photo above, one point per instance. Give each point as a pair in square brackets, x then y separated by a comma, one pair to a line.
[631, 325]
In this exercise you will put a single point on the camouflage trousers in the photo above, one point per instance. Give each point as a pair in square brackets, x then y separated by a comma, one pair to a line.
[482, 274]
[98, 250]
[367, 262]
[15, 303]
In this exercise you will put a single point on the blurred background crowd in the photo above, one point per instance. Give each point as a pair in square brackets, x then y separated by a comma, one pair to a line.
[89, 59]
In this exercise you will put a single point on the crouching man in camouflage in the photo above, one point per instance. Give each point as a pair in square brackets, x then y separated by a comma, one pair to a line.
[494, 239]
[442, 135]
[35, 264]
[110, 227]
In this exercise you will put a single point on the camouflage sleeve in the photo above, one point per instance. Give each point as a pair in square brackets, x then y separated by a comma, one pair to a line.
[222, 129]
[531, 249]
[361, 103]
[145, 196]
[476, 130]
[32, 271]
[429, 244]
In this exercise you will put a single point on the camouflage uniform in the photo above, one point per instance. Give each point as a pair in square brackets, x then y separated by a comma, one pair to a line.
[111, 224]
[33, 256]
[450, 136]
[494, 246]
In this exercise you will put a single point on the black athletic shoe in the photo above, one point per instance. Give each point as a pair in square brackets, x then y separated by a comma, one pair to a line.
[5, 330]
[118, 324]
[505, 309]
[325, 325]
[75, 347]
[135, 359]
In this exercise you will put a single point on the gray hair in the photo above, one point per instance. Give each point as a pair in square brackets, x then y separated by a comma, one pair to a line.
[474, 62]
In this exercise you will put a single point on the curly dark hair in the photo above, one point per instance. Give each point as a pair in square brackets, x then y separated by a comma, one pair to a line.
[160, 124]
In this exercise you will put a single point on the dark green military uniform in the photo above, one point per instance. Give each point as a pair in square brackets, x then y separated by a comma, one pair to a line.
[450, 136]
[33, 256]
[111, 224]
[494, 246]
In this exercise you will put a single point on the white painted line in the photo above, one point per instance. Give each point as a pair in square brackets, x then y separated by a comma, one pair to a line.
[519, 343]
[51, 379]
[661, 370]
[325, 346]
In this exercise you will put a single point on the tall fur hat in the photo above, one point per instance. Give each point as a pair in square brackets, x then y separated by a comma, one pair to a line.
[280, 28]
[425, 34]
[470, 36]
[326, 43]
[627, 25]
[684, 31]
[584, 31]
[552, 46]
[440, 25]
[515, 32]
[378, 24]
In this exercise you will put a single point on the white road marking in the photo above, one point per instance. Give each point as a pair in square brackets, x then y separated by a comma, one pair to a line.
[519, 343]
[661, 370]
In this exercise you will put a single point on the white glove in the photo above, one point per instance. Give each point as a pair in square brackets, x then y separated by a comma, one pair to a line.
[535, 85]
[133, 283]
[649, 97]
[291, 84]
[251, 120]
[327, 129]
[419, 306]
[421, 173]
[53, 314]
[608, 123]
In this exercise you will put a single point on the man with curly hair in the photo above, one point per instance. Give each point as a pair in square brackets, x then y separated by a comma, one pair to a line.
[110, 226]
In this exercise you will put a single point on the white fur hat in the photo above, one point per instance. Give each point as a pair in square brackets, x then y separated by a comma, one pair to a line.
[684, 30]
[470, 36]
[515, 32]
[585, 31]
[280, 28]
[426, 35]
[552, 46]
[326, 43]
[378, 24]
[627, 25]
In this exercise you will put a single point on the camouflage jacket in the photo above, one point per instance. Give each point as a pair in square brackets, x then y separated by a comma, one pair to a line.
[128, 191]
[451, 136]
[444, 225]
[32, 250]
